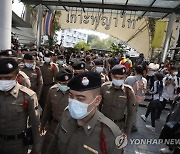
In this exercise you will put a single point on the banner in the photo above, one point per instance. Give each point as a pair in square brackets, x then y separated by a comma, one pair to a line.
[159, 34]
[48, 20]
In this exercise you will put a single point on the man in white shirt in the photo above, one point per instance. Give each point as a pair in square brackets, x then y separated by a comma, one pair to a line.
[152, 68]
[170, 86]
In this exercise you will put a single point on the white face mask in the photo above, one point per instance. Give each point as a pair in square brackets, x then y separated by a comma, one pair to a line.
[6, 85]
[99, 69]
[29, 65]
[60, 62]
[47, 59]
[78, 110]
[117, 83]
[175, 73]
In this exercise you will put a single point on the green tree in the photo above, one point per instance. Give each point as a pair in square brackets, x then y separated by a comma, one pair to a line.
[97, 43]
[81, 45]
[91, 38]
[117, 49]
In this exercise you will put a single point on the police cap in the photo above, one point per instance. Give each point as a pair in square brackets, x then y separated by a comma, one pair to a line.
[78, 65]
[28, 57]
[85, 81]
[8, 65]
[118, 70]
[64, 74]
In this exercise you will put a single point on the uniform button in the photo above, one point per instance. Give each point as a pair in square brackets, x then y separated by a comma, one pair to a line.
[88, 127]
[14, 92]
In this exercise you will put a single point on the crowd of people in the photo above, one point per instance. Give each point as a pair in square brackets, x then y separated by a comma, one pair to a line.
[65, 102]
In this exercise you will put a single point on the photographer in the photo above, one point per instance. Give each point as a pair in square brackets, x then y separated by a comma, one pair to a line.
[170, 86]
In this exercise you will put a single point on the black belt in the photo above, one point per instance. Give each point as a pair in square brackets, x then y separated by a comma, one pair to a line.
[12, 137]
[54, 120]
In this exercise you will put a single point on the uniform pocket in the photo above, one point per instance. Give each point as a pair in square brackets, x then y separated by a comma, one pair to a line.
[120, 102]
[15, 111]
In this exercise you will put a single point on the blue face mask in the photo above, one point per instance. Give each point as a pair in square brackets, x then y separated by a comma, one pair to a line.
[47, 59]
[60, 62]
[29, 65]
[99, 69]
[117, 83]
[78, 110]
[63, 88]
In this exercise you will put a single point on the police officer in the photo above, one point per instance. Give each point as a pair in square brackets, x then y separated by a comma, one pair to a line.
[61, 62]
[99, 68]
[79, 67]
[57, 101]
[49, 71]
[22, 78]
[83, 129]
[18, 103]
[34, 74]
[89, 63]
[116, 97]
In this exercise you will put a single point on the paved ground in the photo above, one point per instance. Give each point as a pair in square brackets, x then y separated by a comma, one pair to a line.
[144, 133]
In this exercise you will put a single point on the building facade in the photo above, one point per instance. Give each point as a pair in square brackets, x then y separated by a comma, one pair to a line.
[70, 37]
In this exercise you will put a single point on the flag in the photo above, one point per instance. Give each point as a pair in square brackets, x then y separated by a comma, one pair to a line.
[159, 34]
[48, 21]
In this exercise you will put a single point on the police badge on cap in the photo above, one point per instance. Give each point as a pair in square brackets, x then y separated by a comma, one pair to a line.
[118, 70]
[8, 65]
[64, 74]
[85, 81]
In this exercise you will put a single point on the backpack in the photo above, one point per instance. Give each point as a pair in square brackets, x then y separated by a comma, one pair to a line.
[140, 88]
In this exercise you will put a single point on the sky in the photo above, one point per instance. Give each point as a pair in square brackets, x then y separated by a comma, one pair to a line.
[17, 7]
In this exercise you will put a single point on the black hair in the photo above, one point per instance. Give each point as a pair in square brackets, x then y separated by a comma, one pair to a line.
[139, 69]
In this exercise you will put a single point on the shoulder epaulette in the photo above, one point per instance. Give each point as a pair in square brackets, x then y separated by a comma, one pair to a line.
[112, 126]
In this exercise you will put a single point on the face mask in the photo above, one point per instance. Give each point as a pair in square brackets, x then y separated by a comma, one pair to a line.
[99, 69]
[6, 85]
[47, 60]
[175, 73]
[77, 109]
[117, 83]
[63, 88]
[60, 62]
[28, 65]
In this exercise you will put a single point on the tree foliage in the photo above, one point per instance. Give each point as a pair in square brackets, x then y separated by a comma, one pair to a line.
[97, 43]
[118, 49]
[82, 45]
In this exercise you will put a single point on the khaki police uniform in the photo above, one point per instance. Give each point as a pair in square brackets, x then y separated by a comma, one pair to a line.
[70, 138]
[35, 77]
[49, 71]
[13, 120]
[115, 102]
[57, 101]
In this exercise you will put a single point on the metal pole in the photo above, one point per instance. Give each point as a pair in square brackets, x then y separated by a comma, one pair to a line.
[5, 24]
[168, 35]
[39, 25]
[175, 41]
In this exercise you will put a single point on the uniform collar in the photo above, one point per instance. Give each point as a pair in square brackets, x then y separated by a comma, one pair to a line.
[88, 127]
[15, 90]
